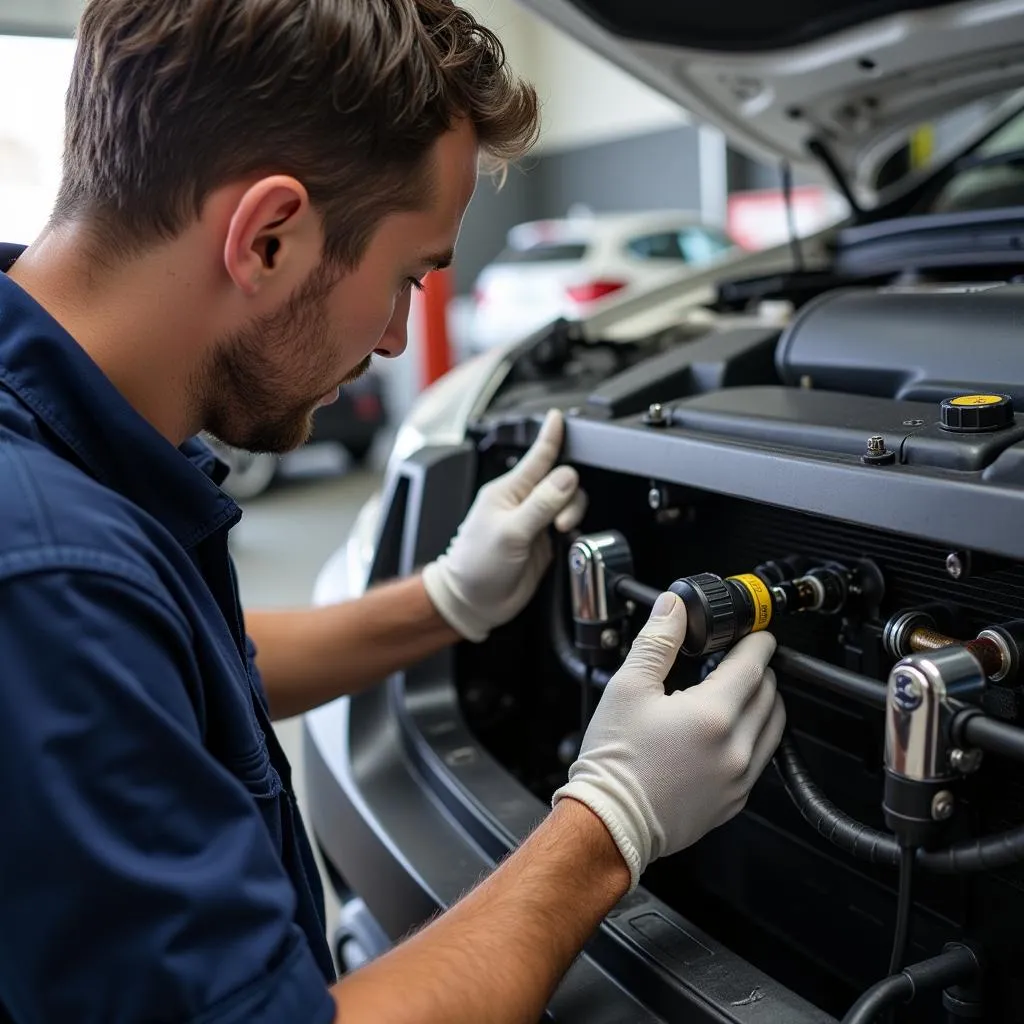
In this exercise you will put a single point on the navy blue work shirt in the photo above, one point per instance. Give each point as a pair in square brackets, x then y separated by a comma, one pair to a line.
[153, 864]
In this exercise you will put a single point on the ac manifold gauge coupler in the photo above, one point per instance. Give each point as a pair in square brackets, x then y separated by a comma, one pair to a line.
[720, 610]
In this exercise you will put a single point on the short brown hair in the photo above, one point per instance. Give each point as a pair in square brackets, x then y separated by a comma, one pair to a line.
[170, 99]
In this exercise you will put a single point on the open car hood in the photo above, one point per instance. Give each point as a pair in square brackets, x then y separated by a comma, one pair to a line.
[783, 79]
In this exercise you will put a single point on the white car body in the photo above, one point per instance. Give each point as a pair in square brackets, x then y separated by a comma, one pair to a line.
[567, 267]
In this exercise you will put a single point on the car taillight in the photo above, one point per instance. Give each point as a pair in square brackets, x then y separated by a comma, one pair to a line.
[591, 291]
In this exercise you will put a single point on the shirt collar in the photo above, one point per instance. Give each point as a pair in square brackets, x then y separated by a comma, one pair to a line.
[54, 377]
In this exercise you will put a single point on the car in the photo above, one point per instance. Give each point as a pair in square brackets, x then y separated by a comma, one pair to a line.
[563, 267]
[827, 435]
[354, 421]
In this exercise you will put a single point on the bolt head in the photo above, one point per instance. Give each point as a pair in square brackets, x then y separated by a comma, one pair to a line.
[876, 443]
[954, 565]
[942, 805]
[965, 761]
[655, 498]
[609, 639]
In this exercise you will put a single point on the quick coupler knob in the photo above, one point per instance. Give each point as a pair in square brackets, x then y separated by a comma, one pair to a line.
[721, 611]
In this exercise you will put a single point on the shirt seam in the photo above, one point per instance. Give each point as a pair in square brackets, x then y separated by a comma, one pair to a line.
[33, 495]
[49, 559]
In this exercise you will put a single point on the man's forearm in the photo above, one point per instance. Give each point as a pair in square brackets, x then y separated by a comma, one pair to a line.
[314, 655]
[497, 956]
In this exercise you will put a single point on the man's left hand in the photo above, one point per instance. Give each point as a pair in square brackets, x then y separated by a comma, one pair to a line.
[503, 549]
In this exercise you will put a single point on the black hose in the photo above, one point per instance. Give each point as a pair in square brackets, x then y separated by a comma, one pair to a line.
[955, 964]
[633, 590]
[838, 827]
[976, 729]
[989, 854]
[882, 996]
[860, 688]
[904, 907]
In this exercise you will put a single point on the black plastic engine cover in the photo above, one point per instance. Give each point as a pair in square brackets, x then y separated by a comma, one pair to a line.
[919, 345]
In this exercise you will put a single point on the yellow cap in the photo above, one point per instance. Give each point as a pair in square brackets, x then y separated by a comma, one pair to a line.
[977, 400]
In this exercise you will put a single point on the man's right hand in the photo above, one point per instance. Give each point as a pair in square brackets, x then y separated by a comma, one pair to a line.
[661, 770]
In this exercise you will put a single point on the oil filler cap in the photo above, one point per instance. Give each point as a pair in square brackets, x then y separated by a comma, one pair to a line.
[975, 414]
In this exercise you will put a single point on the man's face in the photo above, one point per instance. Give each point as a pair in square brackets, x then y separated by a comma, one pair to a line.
[267, 379]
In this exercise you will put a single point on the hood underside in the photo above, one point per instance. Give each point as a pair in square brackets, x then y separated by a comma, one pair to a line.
[783, 79]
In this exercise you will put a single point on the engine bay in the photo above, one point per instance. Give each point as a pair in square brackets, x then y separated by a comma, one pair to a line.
[852, 482]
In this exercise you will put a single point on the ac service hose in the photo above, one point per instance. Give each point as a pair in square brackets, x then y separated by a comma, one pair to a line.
[604, 593]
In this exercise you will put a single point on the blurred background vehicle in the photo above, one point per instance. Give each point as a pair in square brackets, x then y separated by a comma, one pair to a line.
[563, 267]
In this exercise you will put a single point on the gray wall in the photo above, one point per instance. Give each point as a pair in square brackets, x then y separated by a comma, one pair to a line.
[656, 170]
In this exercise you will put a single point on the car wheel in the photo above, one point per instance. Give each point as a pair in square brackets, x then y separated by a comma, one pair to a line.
[251, 473]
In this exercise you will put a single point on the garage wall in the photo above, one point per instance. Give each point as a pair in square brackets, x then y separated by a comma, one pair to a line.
[39, 17]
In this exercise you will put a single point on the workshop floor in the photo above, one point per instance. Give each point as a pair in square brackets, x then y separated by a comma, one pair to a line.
[280, 546]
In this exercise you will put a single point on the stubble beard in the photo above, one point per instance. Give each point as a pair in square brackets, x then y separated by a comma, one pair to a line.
[251, 400]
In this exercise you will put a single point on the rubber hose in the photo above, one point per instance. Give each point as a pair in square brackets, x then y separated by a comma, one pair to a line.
[956, 963]
[989, 854]
[886, 994]
[835, 825]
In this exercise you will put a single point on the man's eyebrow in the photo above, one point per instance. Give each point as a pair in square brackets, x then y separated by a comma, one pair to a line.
[439, 261]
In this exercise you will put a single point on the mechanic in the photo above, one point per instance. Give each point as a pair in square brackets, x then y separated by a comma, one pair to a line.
[251, 189]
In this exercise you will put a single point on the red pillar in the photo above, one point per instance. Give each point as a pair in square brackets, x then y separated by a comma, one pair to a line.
[437, 357]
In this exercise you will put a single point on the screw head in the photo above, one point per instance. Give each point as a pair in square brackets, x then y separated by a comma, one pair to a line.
[965, 761]
[609, 639]
[876, 444]
[655, 499]
[942, 805]
[955, 565]
[656, 413]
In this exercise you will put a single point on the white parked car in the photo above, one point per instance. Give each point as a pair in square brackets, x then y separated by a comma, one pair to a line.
[565, 267]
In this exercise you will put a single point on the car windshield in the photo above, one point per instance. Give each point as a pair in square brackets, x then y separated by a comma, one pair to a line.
[989, 177]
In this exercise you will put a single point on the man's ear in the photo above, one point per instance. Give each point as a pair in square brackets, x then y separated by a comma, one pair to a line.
[274, 236]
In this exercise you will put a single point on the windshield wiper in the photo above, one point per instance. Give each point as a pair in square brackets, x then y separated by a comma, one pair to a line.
[1011, 157]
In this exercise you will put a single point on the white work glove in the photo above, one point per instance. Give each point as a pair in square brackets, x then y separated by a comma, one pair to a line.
[502, 549]
[660, 770]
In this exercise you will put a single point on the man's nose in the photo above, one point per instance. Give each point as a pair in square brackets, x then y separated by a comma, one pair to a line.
[395, 339]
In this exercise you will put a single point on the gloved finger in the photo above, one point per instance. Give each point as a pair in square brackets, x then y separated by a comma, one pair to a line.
[736, 680]
[768, 742]
[751, 724]
[553, 495]
[572, 515]
[654, 650]
[539, 459]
